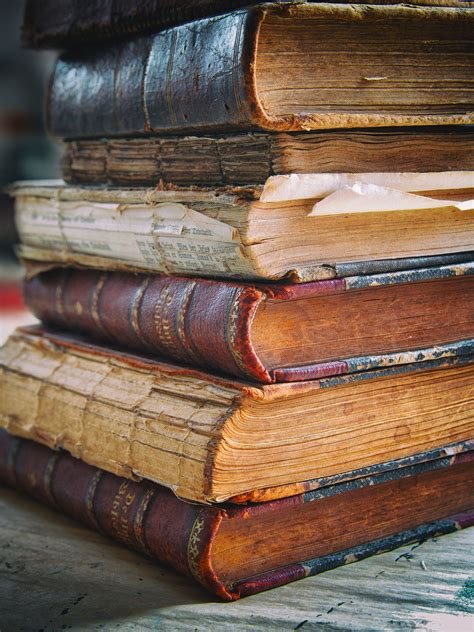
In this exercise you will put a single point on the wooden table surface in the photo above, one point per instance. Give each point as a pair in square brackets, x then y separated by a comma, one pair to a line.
[58, 575]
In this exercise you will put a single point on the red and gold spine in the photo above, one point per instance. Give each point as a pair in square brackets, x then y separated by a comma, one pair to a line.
[142, 515]
[197, 322]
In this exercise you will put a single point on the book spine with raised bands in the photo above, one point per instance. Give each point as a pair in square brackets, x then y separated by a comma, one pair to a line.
[143, 516]
[197, 76]
[193, 321]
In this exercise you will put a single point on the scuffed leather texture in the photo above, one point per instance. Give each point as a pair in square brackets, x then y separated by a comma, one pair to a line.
[195, 321]
[70, 23]
[201, 77]
[143, 516]
[151, 520]
[187, 78]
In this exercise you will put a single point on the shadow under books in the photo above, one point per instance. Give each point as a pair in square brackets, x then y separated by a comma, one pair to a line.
[55, 574]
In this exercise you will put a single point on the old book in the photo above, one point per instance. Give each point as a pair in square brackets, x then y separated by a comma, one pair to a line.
[246, 159]
[303, 227]
[238, 551]
[49, 24]
[267, 333]
[211, 438]
[278, 67]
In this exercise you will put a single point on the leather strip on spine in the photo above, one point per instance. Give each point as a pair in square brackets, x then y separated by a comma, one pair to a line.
[135, 308]
[94, 304]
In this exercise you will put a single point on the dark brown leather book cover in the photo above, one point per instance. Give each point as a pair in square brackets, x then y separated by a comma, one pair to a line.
[208, 324]
[49, 24]
[148, 518]
[249, 159]
[207, 76]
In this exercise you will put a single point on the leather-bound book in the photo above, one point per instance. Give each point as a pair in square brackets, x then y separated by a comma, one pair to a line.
[211, 438]
[249, 159]
[267, 333]
[71, 23]
[300, 227]
[278, 67]
[238, 551]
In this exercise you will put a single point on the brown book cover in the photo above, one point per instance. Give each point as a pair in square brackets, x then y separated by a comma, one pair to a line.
[267, 333]
[238, 551]
[211, 438]
[48, 24]
[230, 73]
[249, 159]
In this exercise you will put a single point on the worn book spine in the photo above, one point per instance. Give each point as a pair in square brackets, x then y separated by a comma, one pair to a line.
[249, 159]
[194, 321]
[49, 25]
[149, 519]
[198, 322]
[136, 514]
[201, 76]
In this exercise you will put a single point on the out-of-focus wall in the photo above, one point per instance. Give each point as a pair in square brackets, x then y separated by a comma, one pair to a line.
[25, 150]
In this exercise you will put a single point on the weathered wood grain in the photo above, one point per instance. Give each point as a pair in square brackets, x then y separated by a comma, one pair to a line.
[56, 575]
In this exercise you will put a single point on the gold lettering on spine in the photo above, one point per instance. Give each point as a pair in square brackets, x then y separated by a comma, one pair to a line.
[193, 547]
[120, 514]
[232, 338]
[135, 308]
[163, 324]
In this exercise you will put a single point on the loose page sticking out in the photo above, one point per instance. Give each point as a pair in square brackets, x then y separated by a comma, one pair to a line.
[370, 198]
[319, 185]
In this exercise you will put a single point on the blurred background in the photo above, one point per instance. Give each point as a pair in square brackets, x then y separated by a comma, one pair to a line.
[26, 152]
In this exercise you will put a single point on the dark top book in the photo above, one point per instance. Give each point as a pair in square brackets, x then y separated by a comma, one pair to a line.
[238, 551]
[267, 333]
[70, 23]
[278, 67]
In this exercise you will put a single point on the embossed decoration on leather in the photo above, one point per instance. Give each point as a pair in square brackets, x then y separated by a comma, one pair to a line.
[135, 307]
[194, 551]
[139, 519]
[181, 317]
[94, 306]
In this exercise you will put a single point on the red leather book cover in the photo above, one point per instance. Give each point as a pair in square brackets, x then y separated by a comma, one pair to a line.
[206, 323]
[151, 520]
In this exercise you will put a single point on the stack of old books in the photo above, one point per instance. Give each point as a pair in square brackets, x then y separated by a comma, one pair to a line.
[256, 288]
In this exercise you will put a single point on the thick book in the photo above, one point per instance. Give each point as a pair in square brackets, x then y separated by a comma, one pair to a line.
[211, 438]
[303, 227]
[238, 551]
[267, 333]
[70, 23]
[278, 67]
[246, 159]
